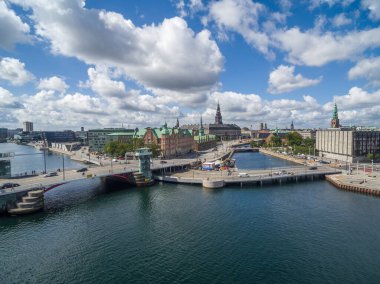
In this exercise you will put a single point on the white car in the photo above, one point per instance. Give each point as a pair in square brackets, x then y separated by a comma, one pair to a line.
[52, 174]
[243, 175]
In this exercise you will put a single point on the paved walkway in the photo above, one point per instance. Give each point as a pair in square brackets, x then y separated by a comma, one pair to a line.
[370, 181]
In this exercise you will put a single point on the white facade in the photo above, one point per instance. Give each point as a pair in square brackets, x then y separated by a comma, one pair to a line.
[27, 126]
[347, 145]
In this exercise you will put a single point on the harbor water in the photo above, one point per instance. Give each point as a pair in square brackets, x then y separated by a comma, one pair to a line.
[306, 232]
[28, 158]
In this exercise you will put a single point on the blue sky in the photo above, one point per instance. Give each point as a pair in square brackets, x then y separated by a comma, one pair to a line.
[71, 63]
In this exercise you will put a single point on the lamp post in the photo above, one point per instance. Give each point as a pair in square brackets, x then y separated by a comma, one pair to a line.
[63, 167]
[364, 174]
[44, 160]
[270, 164]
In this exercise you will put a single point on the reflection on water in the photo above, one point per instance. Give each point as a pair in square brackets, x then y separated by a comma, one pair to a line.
[256, 160]
[28, 158]
[168, 233]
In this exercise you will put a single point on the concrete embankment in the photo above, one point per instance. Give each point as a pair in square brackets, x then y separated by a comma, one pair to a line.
[253, 178]
[282, 156]
[343, 182]
[76, 157]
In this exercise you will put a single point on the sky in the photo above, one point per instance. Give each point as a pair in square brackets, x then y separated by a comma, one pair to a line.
[65, 64]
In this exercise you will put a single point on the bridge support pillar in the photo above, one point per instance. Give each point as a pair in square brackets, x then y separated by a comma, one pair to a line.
[144, 155]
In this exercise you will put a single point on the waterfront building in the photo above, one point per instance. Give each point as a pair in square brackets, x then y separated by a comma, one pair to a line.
[347, 144]
[172, 141]
[307, 133]
[5, 165]
[12, 132]
[3, 134]
[26, 137]
[82, 136]
[220, 130]
[68, 147]
[121, 137]
[50, 137]
[204, 141]
[175, 141]
[98, 138]
[27, 126]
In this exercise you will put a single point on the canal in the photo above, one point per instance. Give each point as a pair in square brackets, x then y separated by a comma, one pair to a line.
[300, 233]
[28, 158]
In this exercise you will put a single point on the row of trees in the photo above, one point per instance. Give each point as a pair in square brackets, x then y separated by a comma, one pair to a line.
[293, 140]
[375, 157]
[118, 149]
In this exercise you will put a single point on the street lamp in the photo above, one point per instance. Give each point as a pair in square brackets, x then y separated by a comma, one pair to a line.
[44, 160]
[111, 164]
[63, 167]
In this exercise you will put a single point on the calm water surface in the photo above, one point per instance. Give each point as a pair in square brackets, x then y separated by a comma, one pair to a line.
[299, 233]
[28, 158]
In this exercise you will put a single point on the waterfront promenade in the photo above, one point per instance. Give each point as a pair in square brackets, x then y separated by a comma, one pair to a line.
[360, 182]
[273, 175]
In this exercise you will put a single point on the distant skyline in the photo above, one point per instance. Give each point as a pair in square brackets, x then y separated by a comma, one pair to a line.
[71, 63]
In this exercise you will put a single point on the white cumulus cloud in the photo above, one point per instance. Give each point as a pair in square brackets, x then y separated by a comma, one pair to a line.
[53, 83]
[13, 70]
[241, 16]
[341, 20]
[313, 48]
[12, 29]
[368, 68]
[374, 8]
[283, 80]
[8, 100]
[167, 56]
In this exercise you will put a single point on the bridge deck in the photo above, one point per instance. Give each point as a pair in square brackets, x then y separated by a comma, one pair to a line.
[39, 181]
[253, 176]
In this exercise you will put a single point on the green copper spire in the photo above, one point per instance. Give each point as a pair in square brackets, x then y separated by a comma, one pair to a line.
[335, 120]
[201, 129]
[335, 112]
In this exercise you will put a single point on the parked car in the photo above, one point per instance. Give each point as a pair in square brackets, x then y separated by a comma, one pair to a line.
[163, 162]
[243, 175]
[82, 170]
[52, 174]
[9, 185]
[313, 168]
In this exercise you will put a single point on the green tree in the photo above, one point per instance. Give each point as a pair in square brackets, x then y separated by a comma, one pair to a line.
[257, 143]
[137, 143]
[111, 147]
[275, 141]
[309, 142]
[294, 138]
[156, 150]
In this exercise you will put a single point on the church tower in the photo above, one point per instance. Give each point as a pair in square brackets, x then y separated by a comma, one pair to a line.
[335, 118]
[201, 129]
[177, 124]
[292, 126]
[218, 116]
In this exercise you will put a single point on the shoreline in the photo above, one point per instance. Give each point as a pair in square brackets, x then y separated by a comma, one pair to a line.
[343, 182]
[284, 157]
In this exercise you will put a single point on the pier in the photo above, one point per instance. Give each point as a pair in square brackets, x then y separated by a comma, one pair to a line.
[250, 177]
